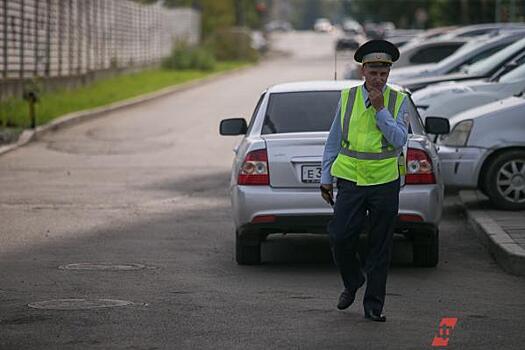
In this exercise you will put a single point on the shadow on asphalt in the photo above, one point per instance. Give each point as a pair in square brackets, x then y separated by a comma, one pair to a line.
[208, 185]
[277, 249]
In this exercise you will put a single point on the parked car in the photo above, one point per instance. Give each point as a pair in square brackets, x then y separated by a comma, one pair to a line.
[468, 54]
[434, 33]
[486, 150]
[417, 53]
[397, 36]
[400, 41]
[491, 67]
[322, 25]
[275, 176]
[449, 99]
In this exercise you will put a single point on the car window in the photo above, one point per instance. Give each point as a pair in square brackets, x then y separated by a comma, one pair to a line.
[254, 114]
[434, 53]
[479, 57]
[460, 53]
[304, 111]
[494, 61]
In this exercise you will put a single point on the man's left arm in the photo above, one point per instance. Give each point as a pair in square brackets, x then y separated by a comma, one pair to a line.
[394, 130]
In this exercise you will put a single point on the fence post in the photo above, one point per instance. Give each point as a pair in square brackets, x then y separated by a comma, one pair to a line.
[22, 43]
[59, 36]
[87, 10]
[35, 40]
[80, 46]
[70, 38]
[48, 39]
[4, 4]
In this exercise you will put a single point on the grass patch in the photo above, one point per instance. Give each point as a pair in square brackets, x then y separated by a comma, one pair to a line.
[14, 113]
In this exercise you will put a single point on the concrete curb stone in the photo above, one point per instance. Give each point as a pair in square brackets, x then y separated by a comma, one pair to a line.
[73, 118]
[507, 253]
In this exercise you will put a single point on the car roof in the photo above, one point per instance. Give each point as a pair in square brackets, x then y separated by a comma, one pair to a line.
[318, 85]
[473, 27]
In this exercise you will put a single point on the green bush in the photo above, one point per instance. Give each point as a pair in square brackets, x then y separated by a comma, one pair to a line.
[185, 57]
[232, 44]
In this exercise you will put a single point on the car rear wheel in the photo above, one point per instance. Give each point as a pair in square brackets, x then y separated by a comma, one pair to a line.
[426, 248]
[505, 180]
[247, 254]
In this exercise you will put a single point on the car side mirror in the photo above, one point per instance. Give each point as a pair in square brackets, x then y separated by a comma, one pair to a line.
[437, 125]
[233, 126]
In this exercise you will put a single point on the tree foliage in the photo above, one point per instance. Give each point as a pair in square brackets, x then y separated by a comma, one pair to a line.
[440, 12]
[218, 15]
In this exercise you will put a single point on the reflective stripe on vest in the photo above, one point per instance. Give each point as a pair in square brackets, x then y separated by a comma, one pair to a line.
[370, 155]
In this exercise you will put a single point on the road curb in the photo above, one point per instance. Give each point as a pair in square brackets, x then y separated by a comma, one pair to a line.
[507, 253]
[88, 114]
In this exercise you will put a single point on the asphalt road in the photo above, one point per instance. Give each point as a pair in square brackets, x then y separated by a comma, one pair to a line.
[147, 185]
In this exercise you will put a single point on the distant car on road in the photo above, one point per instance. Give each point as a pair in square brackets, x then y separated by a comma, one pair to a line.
[278, 26]
[352, 27]
[350, 42]
[322, 25]
[274, 183]
[486, 150]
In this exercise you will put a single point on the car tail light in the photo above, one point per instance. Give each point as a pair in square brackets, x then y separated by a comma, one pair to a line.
[410, 218]
[264, 219]
[419, 168]
[254, 169]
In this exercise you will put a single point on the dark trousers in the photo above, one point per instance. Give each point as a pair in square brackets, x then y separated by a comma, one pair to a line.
[354, 205]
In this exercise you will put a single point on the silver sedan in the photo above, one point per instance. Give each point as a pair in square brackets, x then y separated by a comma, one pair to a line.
[277, 167]
[486, 150]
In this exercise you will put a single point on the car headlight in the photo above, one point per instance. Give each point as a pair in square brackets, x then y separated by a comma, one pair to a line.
[459, 135]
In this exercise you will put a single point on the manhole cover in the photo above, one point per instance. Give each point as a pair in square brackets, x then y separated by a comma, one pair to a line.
[78, 304]
[102, 267]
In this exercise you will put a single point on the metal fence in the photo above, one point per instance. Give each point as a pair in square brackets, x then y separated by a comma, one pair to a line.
[60, 38]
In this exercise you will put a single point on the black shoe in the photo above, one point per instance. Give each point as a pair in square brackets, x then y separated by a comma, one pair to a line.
[375, 316]
[346, 299]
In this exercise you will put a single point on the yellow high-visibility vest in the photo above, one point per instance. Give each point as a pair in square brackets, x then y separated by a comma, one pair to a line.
[366, 157]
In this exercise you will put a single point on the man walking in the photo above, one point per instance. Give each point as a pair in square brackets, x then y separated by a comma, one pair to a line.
[364, 153]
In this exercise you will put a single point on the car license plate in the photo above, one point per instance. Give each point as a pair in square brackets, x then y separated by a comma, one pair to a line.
[311, 173]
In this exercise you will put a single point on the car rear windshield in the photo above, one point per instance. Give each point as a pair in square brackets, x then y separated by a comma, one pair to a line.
[304, 111]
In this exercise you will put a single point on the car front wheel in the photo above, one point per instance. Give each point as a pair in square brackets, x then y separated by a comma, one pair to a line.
[505, 180]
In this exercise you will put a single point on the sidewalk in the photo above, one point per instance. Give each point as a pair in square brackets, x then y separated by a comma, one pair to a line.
[502, 232]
